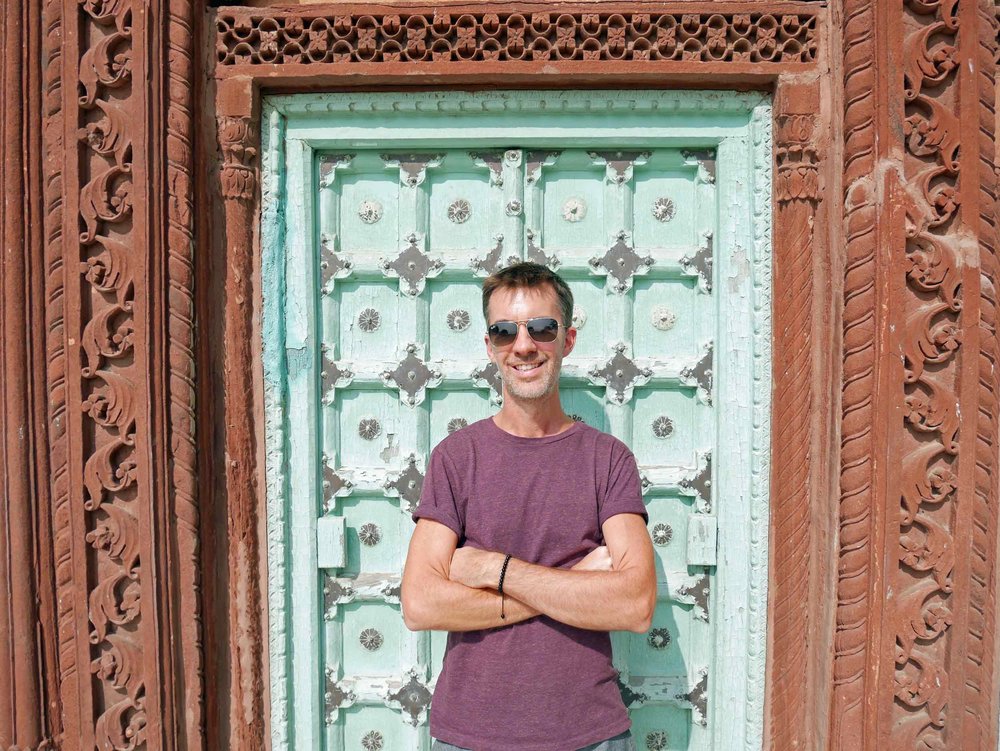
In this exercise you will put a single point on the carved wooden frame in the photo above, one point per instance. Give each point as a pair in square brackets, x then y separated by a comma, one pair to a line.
[896, 296]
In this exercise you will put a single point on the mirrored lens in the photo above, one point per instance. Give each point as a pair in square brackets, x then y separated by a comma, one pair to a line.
[503, 333]
[543, 329]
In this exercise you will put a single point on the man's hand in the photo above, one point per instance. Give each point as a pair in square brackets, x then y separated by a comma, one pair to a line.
[479, 569]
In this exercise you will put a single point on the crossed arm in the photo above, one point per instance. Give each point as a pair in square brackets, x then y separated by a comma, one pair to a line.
[451, 589]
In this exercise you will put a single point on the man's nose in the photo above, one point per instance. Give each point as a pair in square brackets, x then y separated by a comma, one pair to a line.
[524, 344]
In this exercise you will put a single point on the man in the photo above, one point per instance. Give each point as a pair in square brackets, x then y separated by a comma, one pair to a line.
[530, 546]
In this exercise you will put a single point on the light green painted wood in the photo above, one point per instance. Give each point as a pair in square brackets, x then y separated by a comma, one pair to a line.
[512, 175]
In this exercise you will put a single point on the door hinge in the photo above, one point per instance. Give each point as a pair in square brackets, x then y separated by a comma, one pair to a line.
[703, 531]
[330, 549]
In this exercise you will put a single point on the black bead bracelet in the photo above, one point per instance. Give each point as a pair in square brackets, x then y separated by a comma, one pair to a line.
[503, 572]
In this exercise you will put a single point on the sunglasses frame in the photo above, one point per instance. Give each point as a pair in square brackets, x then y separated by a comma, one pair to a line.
[525, 323]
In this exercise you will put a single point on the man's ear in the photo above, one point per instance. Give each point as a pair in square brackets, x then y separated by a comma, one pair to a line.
[570, 341]
[489, 347]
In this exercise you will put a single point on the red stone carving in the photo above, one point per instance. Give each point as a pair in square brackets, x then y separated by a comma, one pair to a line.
[857, 493]
[273, 37]
[239, 148]
[106, 381]
[922, 607]
[791, 622]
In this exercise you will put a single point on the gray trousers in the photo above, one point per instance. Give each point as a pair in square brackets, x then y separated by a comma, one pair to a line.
[623, 742]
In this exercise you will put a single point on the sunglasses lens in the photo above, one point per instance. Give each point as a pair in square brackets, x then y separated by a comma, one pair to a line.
[543, 329]
[503, 333]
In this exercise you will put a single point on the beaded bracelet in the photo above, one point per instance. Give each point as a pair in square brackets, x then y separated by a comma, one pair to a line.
[503, 572]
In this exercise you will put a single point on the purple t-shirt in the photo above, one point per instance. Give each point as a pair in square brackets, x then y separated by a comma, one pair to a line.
[537, 685]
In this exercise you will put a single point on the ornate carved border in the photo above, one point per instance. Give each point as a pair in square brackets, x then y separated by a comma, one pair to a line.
[120, 372]
[472, 35]
[916, 613]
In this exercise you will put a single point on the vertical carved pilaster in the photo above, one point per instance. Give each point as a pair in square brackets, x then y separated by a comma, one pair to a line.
[857, 609]
[238, 140]
[27, 611]
[180, 335]
[797, 190]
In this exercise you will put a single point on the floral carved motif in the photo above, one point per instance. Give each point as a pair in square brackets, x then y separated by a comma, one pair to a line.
[922, 607]
[106, 260]
[276, 37]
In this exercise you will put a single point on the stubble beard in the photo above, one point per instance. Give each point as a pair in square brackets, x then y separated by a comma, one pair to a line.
[539, 389]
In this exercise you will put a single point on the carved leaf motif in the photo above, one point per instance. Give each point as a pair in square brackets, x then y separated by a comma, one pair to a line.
[99, 341]
[933, 268]
[108, 63]
[927, 65]
[928, 686]
[929, 410]
[933, 337]
[120, 662]
[105, 12]
[106, 198]
[113, 406]
[933, 130]
[122, 727]
[927, 546]
[115, 600]
[118, 535]
[108, 135]
[109, 469]
[920, 617]
[926, 483]
[109, 270]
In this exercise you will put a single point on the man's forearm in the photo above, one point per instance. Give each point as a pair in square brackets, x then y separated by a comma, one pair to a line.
[596, 600]
[449, 606]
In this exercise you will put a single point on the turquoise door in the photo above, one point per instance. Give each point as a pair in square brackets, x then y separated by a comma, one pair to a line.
[381, 213]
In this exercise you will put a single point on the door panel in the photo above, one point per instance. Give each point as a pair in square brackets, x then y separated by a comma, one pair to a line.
[383, 254]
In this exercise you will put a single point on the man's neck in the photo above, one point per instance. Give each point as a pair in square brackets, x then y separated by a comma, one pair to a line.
[532, 418]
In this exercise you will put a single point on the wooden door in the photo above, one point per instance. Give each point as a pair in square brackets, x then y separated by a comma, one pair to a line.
[379, 222]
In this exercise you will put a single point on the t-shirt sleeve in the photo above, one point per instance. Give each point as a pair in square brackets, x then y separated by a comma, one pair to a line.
[439, 495]
[624, 493]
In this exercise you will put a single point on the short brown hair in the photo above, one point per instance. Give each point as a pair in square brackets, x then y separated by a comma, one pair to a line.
[527, 274]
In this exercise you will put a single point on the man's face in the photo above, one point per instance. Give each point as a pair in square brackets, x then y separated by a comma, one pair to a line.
[530, 369]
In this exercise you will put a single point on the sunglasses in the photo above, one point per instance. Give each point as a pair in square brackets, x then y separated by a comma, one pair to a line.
[542, 330]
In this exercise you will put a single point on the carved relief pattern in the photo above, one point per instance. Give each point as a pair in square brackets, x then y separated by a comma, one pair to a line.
[180, 253]
[979, 662]
[108, 262]
[796, 189]
[56, 360]
[273, 37]
[921, 608]
[857, 443]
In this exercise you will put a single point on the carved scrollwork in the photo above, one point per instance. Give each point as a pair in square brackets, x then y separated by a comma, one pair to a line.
[109, 271]
[115, 600]
[122, 727]
[120, 663]
[117, 533]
